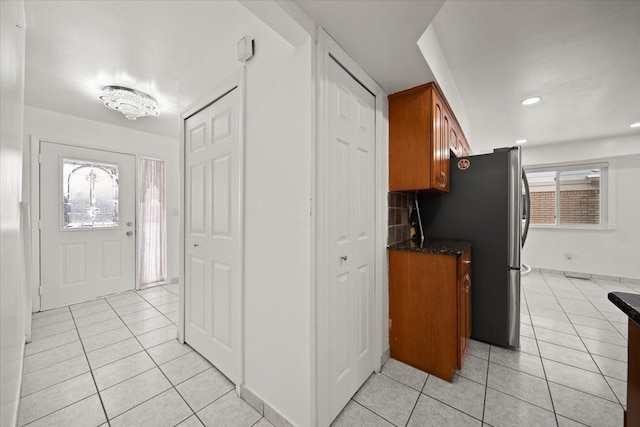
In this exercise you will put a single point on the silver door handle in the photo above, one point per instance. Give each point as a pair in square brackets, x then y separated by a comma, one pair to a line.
[444, 179]
[467, 261]
[129, 233]
[343, 257]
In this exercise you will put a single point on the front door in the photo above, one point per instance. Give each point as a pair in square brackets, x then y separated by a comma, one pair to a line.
[212, 267]
[87, 224]
[351, 235]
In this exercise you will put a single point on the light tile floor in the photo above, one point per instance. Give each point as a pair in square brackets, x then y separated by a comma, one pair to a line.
[115, 361]
[570, 370]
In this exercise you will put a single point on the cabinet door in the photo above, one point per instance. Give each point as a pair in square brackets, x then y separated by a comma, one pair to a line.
[436, 143]
[467, 305]
[462, 322]
[445, 151]
[453, 140]
[410, 153]
[464, 146]
[464, 316]
[440, 145]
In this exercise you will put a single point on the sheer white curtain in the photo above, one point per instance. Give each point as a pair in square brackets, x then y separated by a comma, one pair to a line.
[152, 228]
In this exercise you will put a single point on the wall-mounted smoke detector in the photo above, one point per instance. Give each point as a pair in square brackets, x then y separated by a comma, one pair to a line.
[245, 48]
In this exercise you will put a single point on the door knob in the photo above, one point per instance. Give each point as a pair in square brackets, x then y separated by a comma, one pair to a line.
[129, 224]
[343, 257]
[129, 233]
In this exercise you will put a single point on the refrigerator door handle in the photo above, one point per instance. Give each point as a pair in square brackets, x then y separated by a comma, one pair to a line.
[515, 208]
[526, 208]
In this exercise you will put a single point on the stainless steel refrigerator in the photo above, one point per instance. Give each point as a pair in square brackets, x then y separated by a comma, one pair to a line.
[488, 205]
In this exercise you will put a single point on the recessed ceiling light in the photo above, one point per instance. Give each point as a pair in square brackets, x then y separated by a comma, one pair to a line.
[531, 101]
[521, 141]
[635, 125]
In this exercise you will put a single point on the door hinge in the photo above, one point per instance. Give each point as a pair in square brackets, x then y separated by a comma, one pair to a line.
[40, 158]
[40, 290]
[39, 224]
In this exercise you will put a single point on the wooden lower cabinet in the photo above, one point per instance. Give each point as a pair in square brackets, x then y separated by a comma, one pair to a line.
[430, 310]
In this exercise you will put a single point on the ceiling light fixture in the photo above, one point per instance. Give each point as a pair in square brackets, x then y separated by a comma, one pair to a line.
[635, 125]
[521, 141]
[130, 102]
[531, 101]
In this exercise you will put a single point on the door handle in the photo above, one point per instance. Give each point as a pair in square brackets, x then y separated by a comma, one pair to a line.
[195, 245]
[343, 257]
[444, 180]
[129, 233]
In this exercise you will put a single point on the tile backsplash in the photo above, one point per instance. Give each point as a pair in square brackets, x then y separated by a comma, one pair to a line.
[400, 205]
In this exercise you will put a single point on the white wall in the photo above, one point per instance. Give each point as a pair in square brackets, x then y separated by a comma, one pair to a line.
[613, 252]
[51, 126]
[13, 292]
[277, 211]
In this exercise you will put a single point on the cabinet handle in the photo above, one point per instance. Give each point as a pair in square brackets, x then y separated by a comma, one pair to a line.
[444, 179]
[467, 261]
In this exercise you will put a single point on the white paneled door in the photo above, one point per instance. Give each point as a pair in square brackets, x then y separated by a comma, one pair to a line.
[212, 266]
[87, 223]
[351, 240]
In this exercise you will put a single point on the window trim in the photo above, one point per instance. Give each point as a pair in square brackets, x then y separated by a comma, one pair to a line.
[607, 193]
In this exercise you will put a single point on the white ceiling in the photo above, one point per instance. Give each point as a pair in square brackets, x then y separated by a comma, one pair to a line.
[380, 35]
[76, 47]
[582, 57]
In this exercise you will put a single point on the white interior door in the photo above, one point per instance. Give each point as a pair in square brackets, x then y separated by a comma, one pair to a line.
[212, 267]
[351, 239]
[87, 223]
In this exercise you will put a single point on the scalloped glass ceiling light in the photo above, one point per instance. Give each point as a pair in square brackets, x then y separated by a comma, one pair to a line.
[130, 102]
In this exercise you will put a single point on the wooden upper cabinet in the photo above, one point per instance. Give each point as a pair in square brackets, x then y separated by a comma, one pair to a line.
[422, 133]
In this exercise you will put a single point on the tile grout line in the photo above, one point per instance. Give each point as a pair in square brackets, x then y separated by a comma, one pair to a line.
[59, 382]
[160, 369]
[416, 402]
[544, 371]
[95, 384]
[370, 410]
[84, 352]
[58, 410]
[448, 404]
[582, 341]
[486, 385]
[572, 348]
[156, 365]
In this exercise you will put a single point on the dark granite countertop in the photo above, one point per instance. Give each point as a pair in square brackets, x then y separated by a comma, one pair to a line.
[628, 303]
[442, 247]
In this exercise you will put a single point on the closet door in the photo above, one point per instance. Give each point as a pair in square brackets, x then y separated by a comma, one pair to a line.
[212, 270]
[351, 239]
